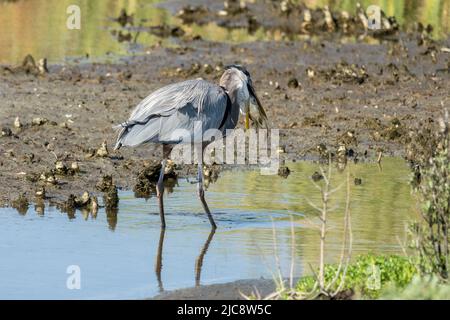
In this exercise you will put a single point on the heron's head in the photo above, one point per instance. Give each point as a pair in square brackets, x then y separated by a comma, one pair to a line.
[237, 77]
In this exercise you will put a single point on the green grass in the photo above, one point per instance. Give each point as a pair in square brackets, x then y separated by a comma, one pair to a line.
[368, 275]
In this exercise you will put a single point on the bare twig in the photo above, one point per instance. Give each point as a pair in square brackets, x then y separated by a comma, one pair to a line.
[291, 273]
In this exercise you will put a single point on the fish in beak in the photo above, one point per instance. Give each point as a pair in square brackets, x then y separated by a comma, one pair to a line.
[255, 111]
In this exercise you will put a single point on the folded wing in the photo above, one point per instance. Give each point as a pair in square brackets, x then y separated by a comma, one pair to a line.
[173, 112]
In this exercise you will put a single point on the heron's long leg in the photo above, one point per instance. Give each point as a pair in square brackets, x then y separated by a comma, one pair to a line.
[158, 266]
[199, 261]
[201, 195]
[160, 193]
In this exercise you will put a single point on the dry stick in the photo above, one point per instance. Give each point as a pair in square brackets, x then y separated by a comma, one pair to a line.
[344, 242]
[347, 229]
[274, 295]
[277, 258]
[337, 188]
[323, 219]
[314, 206]
[402, 244]
[291, 274]
[380, 155]
[316, 185]
[347, 233]
[344, 274]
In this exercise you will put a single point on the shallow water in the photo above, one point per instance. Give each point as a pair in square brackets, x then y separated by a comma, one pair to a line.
[119, 256]
[38, 27]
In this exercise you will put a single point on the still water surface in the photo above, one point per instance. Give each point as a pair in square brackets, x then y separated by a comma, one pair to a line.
[128, 257]
[38, 27]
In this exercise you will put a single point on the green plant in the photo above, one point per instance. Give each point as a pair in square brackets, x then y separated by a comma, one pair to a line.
[367, 275]
[327, 283]
[323, 283]
[420, 288]
[430, 236]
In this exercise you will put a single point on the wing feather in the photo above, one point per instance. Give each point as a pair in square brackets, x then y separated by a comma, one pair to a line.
[191, 105]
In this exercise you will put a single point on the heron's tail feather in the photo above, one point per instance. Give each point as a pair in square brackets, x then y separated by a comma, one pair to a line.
[133, 133]
[122, 129]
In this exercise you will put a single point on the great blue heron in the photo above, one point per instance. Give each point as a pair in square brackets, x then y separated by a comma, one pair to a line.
[184, 105]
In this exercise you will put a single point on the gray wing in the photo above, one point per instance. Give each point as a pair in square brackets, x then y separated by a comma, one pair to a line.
[194, 106]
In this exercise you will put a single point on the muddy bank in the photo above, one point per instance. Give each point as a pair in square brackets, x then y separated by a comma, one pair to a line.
[223, 291]
[288, 18]
[353, 99]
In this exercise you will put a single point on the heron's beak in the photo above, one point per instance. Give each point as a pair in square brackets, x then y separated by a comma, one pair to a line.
[247, 120]
[256, 114]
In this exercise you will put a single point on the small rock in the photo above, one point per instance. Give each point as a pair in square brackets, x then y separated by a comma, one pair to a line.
[70, 204]
[39, 121]
[50, 147]
[64, 125]
[48, 177]
[6, 132]
[211, 174]
[293, 83]
[277, 86]
[40, 193]
[42, 66]
[17, 123]
[103, 150]
[281, 149]
[74, 166]
[39, 207]
[90, 152]
[105, 183]
[316, 176]
[21, 203]
[32, 177]
[170, 168]
[83, 200]
[111, 198]
[341, 153]
[206, 172]
[284, 172]
[208, 68]
[10, 153]
[51, 179]
[94, 206]
[60, 168]
[28, 157]
[322, 150]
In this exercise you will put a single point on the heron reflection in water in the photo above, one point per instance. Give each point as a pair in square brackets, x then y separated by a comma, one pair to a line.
[198, 261]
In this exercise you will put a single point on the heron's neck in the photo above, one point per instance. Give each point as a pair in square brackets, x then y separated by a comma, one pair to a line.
[237, 91]
[236, 107]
